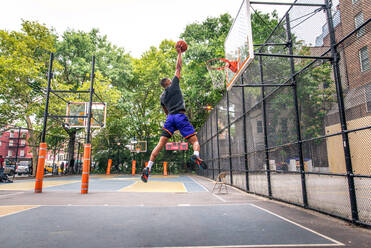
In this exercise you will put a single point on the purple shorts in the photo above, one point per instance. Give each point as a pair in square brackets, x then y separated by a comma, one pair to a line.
[178, 122]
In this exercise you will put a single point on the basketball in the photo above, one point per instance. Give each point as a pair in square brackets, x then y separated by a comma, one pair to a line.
[182, 44]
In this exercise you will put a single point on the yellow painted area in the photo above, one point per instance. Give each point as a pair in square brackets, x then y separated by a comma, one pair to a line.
[30, 185]
[155, 186]
[6, 210]
[360, 147]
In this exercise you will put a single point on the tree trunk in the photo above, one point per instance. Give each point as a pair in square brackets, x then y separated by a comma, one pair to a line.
[71, 144]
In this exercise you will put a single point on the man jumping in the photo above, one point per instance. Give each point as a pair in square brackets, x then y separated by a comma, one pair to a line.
[172, 103]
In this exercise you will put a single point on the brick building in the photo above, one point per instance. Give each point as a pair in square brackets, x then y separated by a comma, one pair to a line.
[355, 74]
[13, 144]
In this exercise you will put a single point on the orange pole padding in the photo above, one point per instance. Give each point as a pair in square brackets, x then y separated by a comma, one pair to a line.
[85, 169]
[165, 168]
[109, 166]
[146, 164]
[40, 168]
[133, 168]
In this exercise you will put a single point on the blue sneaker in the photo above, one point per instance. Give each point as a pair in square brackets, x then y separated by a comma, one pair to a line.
[199, 162]
[145, 174]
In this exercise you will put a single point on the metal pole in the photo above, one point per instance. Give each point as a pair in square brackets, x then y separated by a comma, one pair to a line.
[92, 76]
[297, 116]
[207, 150]
[265, 129]
[16, 153]
[245, 136]
[229, 140]
[50, 75]
[340, 100]
[217, 138]
[212, 146]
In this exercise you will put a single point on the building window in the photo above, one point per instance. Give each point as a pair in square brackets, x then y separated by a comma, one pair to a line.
[12, 134]
[358, 21]
[0, 143]
[364, 59]
[259, 126]
[368, 97]
[22, 153]
[10, 153]
[23, 142]
[10, 142]
[354, 1]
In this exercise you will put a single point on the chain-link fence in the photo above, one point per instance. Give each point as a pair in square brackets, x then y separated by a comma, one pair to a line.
[297, 127]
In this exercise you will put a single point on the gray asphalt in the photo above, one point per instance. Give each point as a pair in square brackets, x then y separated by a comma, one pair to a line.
[191, 219]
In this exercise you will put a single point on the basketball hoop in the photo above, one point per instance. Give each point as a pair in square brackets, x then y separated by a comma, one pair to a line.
[218, 70]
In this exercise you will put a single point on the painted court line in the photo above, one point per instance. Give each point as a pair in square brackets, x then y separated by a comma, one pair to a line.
[251, 246]
[199, 184]
[301, 226]
[18, 193]
[219, 198]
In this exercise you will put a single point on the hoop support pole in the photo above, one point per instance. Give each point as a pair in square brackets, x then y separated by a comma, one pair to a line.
[85, 169]
[40, 168]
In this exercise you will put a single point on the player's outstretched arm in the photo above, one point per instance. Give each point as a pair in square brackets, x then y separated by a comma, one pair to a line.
[178, 62]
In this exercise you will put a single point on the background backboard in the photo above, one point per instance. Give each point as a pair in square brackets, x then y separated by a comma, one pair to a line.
[238, 45]
[137, 146]
[99, 111]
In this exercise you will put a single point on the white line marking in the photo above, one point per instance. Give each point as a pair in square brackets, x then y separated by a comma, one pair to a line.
[252, 246]
[184, 205]
[219, 198]
[301, 226]
[199, 184]
[18, 193]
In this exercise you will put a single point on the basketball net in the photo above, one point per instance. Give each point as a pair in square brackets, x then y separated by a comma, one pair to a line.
[217, 69]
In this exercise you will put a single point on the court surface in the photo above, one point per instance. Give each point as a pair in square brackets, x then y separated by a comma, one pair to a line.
[173, 211]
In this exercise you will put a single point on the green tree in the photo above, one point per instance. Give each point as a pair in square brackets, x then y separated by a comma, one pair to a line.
[23, 66]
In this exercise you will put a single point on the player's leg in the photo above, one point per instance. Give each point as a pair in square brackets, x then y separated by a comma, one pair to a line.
[167, 132]
[154, 154]
[188, 132]
[195, 158]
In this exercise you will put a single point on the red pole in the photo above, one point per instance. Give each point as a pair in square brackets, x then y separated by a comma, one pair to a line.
[165, 168]
[40, 168]
[109, 166]
[85, 169]
[133, 168]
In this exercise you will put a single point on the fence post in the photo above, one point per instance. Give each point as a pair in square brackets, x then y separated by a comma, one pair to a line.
[229, 140]
[297, 116]
[133, 163]
[165, 168]
[265, 129]
[212, 145]
[109, 167]
[217, 138]
[244, 135]
[206, 143]
[343, 123]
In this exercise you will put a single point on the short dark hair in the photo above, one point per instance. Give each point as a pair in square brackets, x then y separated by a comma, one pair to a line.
[163, 82]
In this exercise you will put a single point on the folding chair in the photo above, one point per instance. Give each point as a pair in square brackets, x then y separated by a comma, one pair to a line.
[220, 183]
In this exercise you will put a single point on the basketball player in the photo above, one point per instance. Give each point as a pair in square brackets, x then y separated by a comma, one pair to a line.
[172, 103]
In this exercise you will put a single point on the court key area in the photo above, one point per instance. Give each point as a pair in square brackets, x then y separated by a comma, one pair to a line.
[172, 211]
